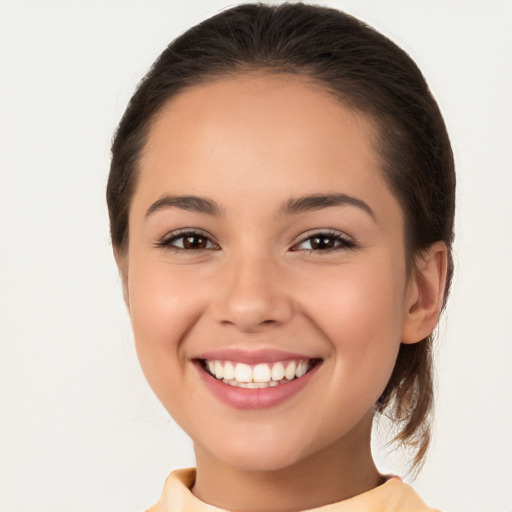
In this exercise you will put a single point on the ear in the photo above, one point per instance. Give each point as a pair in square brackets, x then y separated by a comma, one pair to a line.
[121, 258]
[425, 293]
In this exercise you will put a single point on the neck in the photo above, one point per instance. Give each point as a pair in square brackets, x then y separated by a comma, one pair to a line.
[337, 472]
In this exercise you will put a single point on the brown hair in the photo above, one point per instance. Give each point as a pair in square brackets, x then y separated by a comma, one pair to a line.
[365, 71]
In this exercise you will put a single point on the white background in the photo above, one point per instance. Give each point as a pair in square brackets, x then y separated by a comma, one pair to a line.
[79, 428]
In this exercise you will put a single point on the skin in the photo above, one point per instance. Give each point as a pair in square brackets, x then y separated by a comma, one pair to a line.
[251, 143]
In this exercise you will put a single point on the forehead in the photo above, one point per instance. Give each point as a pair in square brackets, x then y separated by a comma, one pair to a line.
[257, 100]
[261, 135]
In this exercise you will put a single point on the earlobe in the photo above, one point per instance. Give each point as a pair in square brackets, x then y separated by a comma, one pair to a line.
[122, 265]
[425, 294]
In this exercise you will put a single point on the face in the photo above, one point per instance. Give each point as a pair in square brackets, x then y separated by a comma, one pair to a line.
[265, 275]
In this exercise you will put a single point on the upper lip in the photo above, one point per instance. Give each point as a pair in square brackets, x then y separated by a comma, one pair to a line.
[242, 355]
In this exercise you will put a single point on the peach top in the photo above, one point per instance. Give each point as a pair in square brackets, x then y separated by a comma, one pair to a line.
[392, 496]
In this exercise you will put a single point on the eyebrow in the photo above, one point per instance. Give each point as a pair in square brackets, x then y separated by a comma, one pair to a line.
[190, 203]
[293, 206]
[320, 201]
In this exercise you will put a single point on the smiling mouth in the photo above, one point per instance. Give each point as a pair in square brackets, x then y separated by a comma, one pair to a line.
[262, 375]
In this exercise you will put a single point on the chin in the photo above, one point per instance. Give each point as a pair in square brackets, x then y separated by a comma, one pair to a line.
[247, 455]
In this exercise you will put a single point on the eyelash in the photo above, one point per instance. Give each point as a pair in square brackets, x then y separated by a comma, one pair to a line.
[341, 241]
[167, 241]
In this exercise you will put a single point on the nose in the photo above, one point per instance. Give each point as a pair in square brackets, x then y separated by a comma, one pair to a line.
[253, 295]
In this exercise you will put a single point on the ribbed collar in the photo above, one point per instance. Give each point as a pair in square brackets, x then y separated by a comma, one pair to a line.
[392, 496]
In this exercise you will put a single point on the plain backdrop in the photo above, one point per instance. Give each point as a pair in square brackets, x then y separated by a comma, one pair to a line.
[79, 428]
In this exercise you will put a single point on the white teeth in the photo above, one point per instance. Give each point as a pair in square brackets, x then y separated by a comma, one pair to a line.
[219, 370]
[230, 382]
[249, 385]
[229, 371]
[301, 369]
[243, 372]
[290, 371]
[277, 371]
[261, 373]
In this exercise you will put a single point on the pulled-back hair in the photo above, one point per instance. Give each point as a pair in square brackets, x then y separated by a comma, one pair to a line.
[366, 72]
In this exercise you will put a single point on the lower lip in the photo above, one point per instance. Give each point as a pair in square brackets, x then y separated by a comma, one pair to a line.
[260, 398]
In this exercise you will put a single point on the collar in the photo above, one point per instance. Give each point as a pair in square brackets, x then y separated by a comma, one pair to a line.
[392, 496]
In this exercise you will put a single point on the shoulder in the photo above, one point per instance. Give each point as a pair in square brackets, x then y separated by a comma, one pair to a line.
[392, 496]
[176, 495]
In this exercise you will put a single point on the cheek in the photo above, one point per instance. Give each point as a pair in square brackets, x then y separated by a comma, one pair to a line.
[360, 311]
[162, 297]
[362, 300]
[162, 309]
[360, 315]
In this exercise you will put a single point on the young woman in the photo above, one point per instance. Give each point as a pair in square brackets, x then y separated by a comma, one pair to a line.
[281, 200]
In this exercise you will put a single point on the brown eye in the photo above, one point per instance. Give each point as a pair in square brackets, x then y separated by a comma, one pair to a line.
[188, 241]
[325, 242]
[195, 242]
[322, 242]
